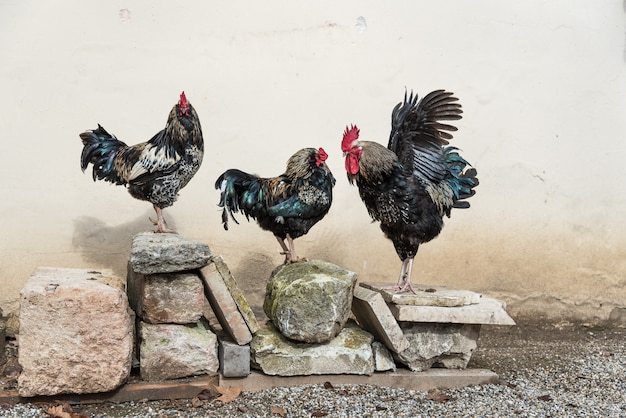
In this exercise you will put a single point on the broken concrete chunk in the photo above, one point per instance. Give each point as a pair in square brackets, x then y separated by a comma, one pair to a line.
[76, 332]
[309, 301]
[234, 358]
[153, 253]
[172, 351]
[373, 314]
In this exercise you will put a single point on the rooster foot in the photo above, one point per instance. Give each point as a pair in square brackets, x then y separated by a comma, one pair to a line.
[399, 288]
[164, 229]
[289, 260]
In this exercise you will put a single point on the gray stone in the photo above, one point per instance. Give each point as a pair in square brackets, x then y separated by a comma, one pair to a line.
[426, 295]
[234, 358]
[176, 298]
[383, 359]
[374, 316]
[309, 301]
[224, 306]
[446, 345]
[76, 332]
[488, 311]
[153, 253]
[350, 352]
[172, 351]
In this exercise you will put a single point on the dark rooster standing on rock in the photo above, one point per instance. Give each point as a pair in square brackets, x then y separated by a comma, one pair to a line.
[287, 205]
[410, 185]
[155, 170]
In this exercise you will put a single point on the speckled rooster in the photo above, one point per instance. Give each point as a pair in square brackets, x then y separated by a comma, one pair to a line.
[410, 185]
[155, 170]
[287, 205]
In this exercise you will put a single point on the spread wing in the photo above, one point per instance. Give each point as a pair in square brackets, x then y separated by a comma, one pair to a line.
[418, 135]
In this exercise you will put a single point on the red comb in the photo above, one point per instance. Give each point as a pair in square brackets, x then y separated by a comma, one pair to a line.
[349, 136]
[183, 105]
[322, 153]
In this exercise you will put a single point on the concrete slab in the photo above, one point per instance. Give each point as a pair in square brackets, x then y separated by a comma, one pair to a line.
[488, 312]
[374, 316]
[402, 378]
[235, 291]
[426, 295]
[224, 305]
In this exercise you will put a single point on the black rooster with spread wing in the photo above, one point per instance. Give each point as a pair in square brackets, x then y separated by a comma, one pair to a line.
[410, 185]
[154, 170]
[287, 205]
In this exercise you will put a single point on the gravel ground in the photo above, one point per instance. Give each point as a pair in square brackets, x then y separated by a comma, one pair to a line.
[544, 372]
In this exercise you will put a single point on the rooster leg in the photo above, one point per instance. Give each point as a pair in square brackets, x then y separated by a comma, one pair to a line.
[292, 258]
[285, 251]
[407, 276]
[404, 281]
[160, 222]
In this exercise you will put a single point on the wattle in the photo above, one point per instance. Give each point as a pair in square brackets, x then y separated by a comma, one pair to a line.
[352, 163]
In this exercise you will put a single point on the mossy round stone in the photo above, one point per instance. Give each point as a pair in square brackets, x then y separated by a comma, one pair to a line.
[309, 301]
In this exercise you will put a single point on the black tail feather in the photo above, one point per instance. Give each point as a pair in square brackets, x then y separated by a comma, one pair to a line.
[100, 149]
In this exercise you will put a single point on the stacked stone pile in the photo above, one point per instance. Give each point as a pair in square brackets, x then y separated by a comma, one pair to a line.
[167, 295]
[435, 326]
[309, 333]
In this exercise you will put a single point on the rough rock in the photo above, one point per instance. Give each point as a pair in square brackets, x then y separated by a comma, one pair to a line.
[445, 345]
[172, 351]
[309, 301]
[350, 352]
[176, 298]
[383, 359]
[3, 333]
[153, 253]
[76, 332]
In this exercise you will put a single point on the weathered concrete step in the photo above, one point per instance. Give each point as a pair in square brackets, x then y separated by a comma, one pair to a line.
[402, 378]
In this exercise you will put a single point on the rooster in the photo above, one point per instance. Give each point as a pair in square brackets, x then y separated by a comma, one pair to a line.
[154, 170]
[287, 205]
[410, 185]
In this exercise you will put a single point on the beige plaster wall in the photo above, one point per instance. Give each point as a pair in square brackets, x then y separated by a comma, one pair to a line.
[543, 85]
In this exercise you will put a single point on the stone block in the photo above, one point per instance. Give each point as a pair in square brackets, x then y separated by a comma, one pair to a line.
[234, 358]
[383, 359]
[176, 298]
[350, 352]
[374, 316]
[76, 332]
[488, 311]
[224, 306]
[236, 293]
[309, 301]
[153, 253]
[426, 295]
[173, 351]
